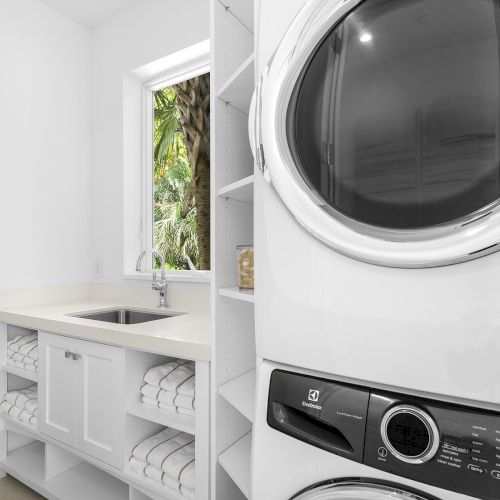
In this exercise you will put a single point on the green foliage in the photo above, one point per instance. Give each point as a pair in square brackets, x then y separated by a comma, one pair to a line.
[174, 235]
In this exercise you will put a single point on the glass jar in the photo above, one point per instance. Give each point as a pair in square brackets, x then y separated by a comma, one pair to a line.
[245, 267]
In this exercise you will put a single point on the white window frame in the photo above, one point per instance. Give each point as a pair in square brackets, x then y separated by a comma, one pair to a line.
[173, 69]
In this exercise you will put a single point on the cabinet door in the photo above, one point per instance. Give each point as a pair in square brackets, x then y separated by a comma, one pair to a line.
[57, 388]
[99, 432]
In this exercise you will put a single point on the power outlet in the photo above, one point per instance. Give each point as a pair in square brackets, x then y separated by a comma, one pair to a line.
[98, 268]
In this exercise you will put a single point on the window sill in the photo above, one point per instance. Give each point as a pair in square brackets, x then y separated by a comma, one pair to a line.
[180, 276]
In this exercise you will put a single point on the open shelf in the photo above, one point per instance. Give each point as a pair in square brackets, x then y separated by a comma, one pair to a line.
[78, 483]
[184, 423]
[240, 392]
[238, 88]
[241, 190]
[33, 376]
[234, 292]
[236, 461]
[27, 465]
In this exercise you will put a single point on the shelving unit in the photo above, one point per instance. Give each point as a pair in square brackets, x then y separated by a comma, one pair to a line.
[59, 471]
[233, 342]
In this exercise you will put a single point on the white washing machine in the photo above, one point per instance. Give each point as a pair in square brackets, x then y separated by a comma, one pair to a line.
[376, 128]
[318, 438]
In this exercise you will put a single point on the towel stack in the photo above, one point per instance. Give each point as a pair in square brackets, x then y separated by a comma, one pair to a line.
[171, 386]
[22, 352]
[167, 458]
[22, 405]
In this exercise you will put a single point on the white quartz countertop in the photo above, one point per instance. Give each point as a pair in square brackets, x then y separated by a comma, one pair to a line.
[184, 335]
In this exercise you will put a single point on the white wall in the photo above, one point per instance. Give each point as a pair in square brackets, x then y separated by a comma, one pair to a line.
[44, 147]
[144, 33]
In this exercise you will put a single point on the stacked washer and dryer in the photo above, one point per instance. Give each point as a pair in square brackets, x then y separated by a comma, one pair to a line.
[376, 130]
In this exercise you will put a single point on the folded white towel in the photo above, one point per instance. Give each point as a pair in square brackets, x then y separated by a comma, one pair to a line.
[137, 465]
[21, 397]
[18, 342]
[173, 399]
[160, 453]
[33, 353]
[177, 377]
[186, 411]
[149, 401]
[186, 492]
[150, 391]
[188, 476]
[30, 368]
[154, 473]
[165, 407]
[142, 450]
[34, 421]
[154, 375]
[171, 483]
[188, 387]
[176, 462]
[17, 356]
[32, 406]
[26, 349]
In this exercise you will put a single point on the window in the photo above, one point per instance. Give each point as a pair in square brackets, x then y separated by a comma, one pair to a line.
[162, 206]
[180, 173]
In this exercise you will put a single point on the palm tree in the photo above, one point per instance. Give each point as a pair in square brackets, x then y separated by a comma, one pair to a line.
[182, 127]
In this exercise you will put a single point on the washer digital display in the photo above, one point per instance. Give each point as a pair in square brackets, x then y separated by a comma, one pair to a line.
[408, 434]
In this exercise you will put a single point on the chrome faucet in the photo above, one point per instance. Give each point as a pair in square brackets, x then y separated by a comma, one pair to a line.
[158, 284]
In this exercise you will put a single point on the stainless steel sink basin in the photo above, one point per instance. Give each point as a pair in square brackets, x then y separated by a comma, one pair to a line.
[124, 316]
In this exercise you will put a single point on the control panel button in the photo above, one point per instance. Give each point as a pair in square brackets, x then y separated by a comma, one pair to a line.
[495, 474]
[476, 468]
[382, 452]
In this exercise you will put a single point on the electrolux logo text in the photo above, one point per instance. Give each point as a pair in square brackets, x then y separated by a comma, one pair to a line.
[313, 396]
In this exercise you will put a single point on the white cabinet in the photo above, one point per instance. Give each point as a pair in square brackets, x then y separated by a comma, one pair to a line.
[80, 395]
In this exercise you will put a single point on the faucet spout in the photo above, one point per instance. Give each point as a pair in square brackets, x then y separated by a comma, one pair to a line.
[161, 284]
[156, 254]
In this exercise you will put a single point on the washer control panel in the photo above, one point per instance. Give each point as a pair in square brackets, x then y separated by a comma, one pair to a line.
[449, 446]
[453, 447]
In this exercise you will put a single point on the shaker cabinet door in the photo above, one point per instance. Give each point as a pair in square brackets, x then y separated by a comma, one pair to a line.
[57, 388]
[99, 432]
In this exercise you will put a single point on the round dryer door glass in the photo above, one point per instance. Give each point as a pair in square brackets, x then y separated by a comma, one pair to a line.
[394, 121]
[359, 491]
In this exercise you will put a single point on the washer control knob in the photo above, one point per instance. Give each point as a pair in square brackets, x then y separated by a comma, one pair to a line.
[410, 434]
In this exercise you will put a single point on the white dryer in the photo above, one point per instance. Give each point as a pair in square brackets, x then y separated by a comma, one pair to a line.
[318, 438]
[376, 128]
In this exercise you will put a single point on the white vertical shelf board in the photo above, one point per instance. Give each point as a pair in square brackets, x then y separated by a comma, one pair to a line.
[202, 443]
[240, 392]
[241, 190]
[238, 89]
[236, 461]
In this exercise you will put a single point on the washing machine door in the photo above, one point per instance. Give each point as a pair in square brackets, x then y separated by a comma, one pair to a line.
[359, 490]
[378, 124]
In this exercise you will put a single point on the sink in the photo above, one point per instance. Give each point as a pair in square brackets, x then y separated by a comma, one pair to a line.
[124, 316]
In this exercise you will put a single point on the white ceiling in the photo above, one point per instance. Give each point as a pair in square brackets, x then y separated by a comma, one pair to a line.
[89, 13]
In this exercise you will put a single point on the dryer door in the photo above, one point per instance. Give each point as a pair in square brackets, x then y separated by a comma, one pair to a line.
[378, 124]
[359, 490]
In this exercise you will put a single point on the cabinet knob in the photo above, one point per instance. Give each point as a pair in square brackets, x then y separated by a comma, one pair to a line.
[75, 356]
[67, 354]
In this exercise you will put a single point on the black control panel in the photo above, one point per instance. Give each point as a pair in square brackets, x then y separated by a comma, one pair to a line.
[452, 447]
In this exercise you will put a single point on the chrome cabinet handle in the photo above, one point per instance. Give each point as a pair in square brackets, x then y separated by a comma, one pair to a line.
[67, 354]
[75, 356]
